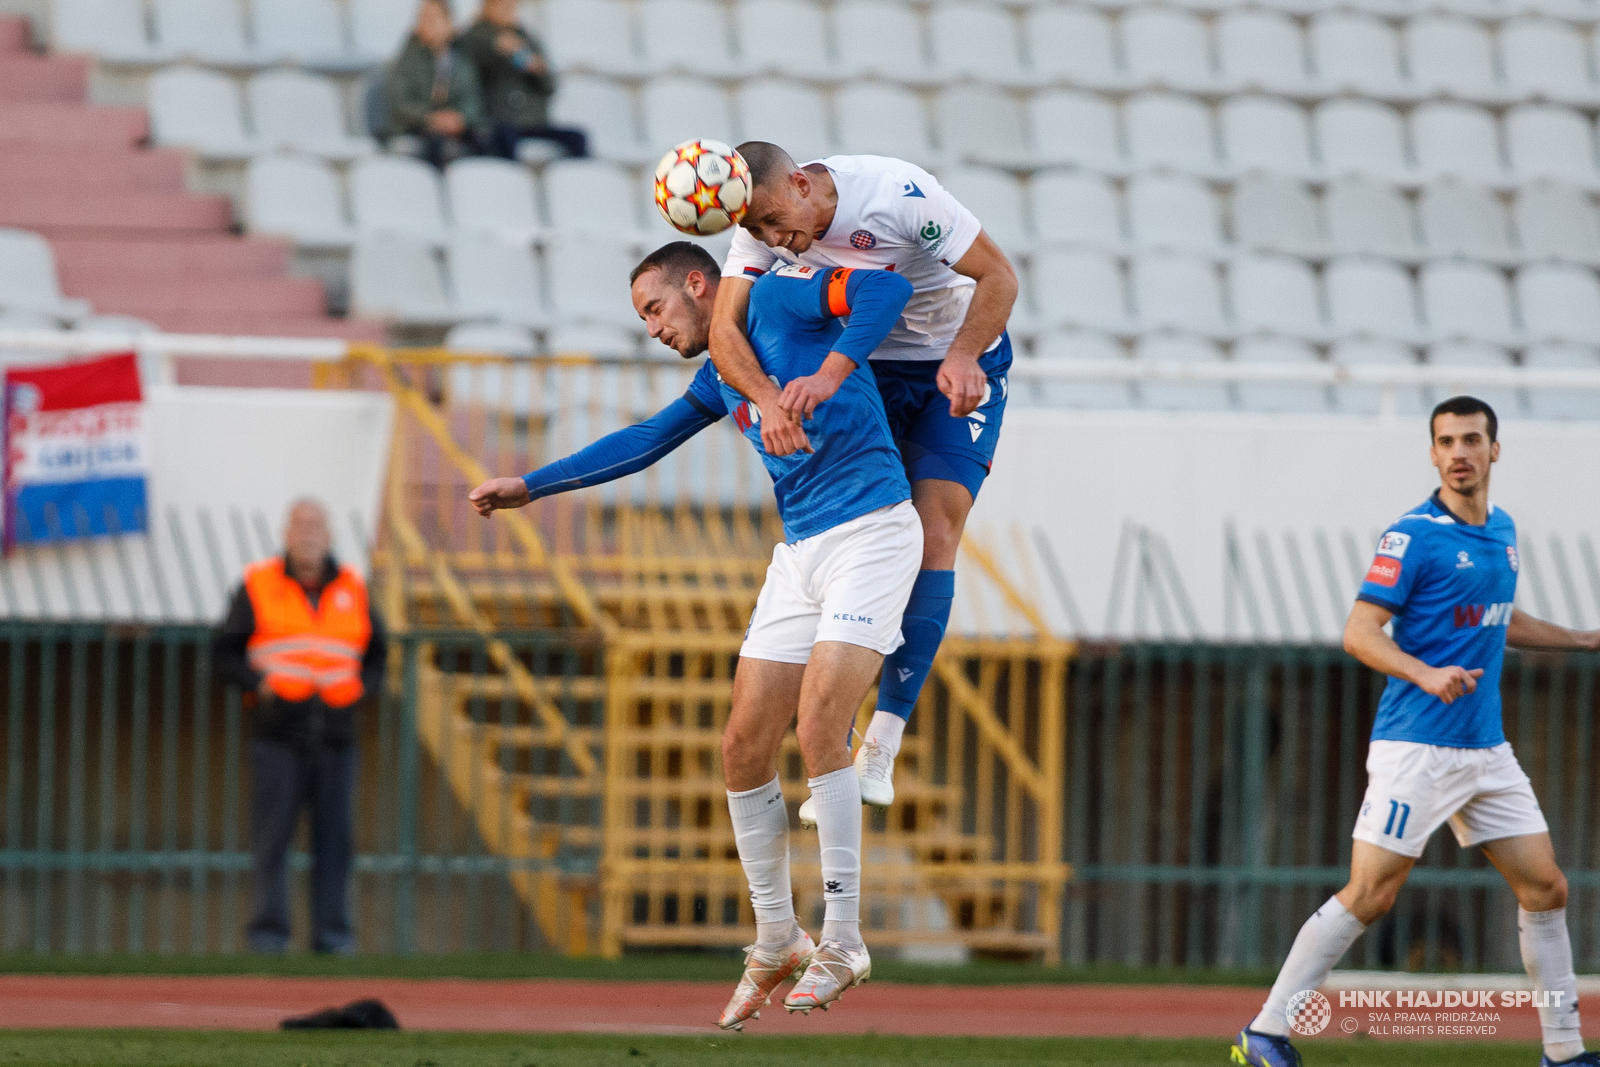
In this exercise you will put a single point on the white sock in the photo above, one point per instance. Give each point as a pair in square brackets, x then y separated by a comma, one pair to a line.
[838, 799]
[761, 831]
[885, 730]
[1325, 937]
[1547, 955]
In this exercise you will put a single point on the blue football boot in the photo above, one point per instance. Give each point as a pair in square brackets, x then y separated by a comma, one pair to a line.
[1265, 1050]
[1584, 1059]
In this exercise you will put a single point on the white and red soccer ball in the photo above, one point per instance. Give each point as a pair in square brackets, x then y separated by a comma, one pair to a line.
[702, 187]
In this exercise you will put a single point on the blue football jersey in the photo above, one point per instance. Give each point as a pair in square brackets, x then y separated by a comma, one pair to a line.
[1450, 586]
[793, 323]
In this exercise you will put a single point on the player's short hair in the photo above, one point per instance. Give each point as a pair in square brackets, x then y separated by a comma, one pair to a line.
[1465, 405]
[675, 261]
[767, 162]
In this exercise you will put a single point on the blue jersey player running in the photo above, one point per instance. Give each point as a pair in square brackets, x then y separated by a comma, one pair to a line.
[1445, 573]
[942, 369]
[831, 606]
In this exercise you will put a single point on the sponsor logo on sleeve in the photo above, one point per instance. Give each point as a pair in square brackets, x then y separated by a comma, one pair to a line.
[910, 189]
[931, 232]
[1384, 571]
[1511, 557]
[864, 240]
[1394, 544]
[795, 270]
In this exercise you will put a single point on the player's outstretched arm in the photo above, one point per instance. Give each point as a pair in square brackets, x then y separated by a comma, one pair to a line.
[1365, 640]
[736, 362]
[960, 378]
[1525, 631]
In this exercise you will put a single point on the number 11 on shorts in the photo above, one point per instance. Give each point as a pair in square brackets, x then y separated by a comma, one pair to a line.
[1404, 812]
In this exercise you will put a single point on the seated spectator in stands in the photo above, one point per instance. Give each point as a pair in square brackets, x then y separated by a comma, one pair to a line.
[433, 93]
[517, 81]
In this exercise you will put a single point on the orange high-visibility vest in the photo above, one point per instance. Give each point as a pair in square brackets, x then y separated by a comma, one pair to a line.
[305, 653]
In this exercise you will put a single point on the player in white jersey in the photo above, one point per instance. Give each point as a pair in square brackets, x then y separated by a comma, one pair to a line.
[941, 371]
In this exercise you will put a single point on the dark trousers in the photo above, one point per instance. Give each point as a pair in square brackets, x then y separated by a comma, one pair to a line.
[283, 779]
[573, 141]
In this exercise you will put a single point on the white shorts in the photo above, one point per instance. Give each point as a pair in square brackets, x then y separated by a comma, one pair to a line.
[1413, 788]
[849, 584]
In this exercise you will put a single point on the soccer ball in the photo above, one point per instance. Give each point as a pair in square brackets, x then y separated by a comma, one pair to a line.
[702, 187]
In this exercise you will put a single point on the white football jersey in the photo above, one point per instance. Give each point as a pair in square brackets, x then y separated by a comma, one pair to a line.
[891, 215]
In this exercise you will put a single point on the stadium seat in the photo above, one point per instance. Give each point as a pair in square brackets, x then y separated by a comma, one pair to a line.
[978, 124]
[975, 41]
[1290, 398]
[1562, 403]
[378, 28]
[205, 31]
[1356, 53]
[1075, 208]
[1079, 288]
[1166, 47]
[1559, 302]
[1276, 214]
[1170, 211]
[1545, 59]
[1177, 292]
[1370, 217]
[1362, 137]
[495, 337]
[1458, 141]
[1557, 221]
[305, 32]
[399, 195]
[594, 339]
[1263, 133]
[1071, 46]
[1460, 218]
[573, 186]
[787, 113]
[798, 50]
[1466, 301]
[1077, 346]
[199, 109]
[1367, 399]
[395, 277]
[882, 38]
[1506, 400]
[686, 37]
[878, 119]
[114, 30]
[295, 110]
[996, 198]
[606, 110]
[588, 281]
[28, 280]
[1551, 142]
[678, 109]
[1078, 128]
[1169, 130]
[1453, 55]
[591, 35]
[1275, 295]
[296, 197]
[493, 196]
[1262, 51]
[496, 280]
[1182, 396]
[1370, 298]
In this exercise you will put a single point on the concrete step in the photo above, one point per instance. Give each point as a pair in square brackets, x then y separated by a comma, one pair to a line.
[63, 213]
[16, 35]
[230, 323]
[61, 79]
[155, 298]
[57, 123]
[89, 168]
[90, 260]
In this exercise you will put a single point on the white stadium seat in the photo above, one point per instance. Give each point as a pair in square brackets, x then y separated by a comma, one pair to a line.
[494, 337]
[1166, 47]
[594, 339]
[113, 29]
[1177, 292]
[678, 109]
[1366, 399]
[606, 110]
[996, 198]
[1276, 295]
[394, 277]
[296, 110]
[983, 125]
[1466, 301]
[1268, 134]
[493, 196]
[1551, 142]
[1562, 403]
[1504, 399]
[1452, 55]
[1362, 137]
[1368, 217]
[1457, 140]
[1170, 130]
[783, 37]
[887, 120]
[588, 281]
[1356, 53]
[1460, 218]
[307, 32]
[1174, 212]
[881, 38]
[976, 41]
[686, 37]
[1077, 345]
[297, 197]
[208, 31]
[1182, 396]
[1262, 50]
[496, 280]
[379, 27]
[397, 194]
[1075, 208]
[1079, 288]
[1276, 214]
[1371, 298]
[1071, 46]
[28, 280]
[1546, 59]
[785, 112]
[590, 35]
[1074, 128]
[573, 186]
[199, 109]
[1557, 221]
[1282, 397]
[1559, 303]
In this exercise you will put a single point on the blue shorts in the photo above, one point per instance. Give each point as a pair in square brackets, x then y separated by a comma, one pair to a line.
[932, 444]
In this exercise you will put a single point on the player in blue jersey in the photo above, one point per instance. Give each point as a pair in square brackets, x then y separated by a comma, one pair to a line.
[942, 370]
[831, 606]
[1445, 573]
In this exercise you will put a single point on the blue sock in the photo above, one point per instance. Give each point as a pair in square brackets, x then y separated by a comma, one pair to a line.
[907, 667]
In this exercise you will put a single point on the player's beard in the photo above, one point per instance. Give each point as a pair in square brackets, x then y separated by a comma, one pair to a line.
[698, 338]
